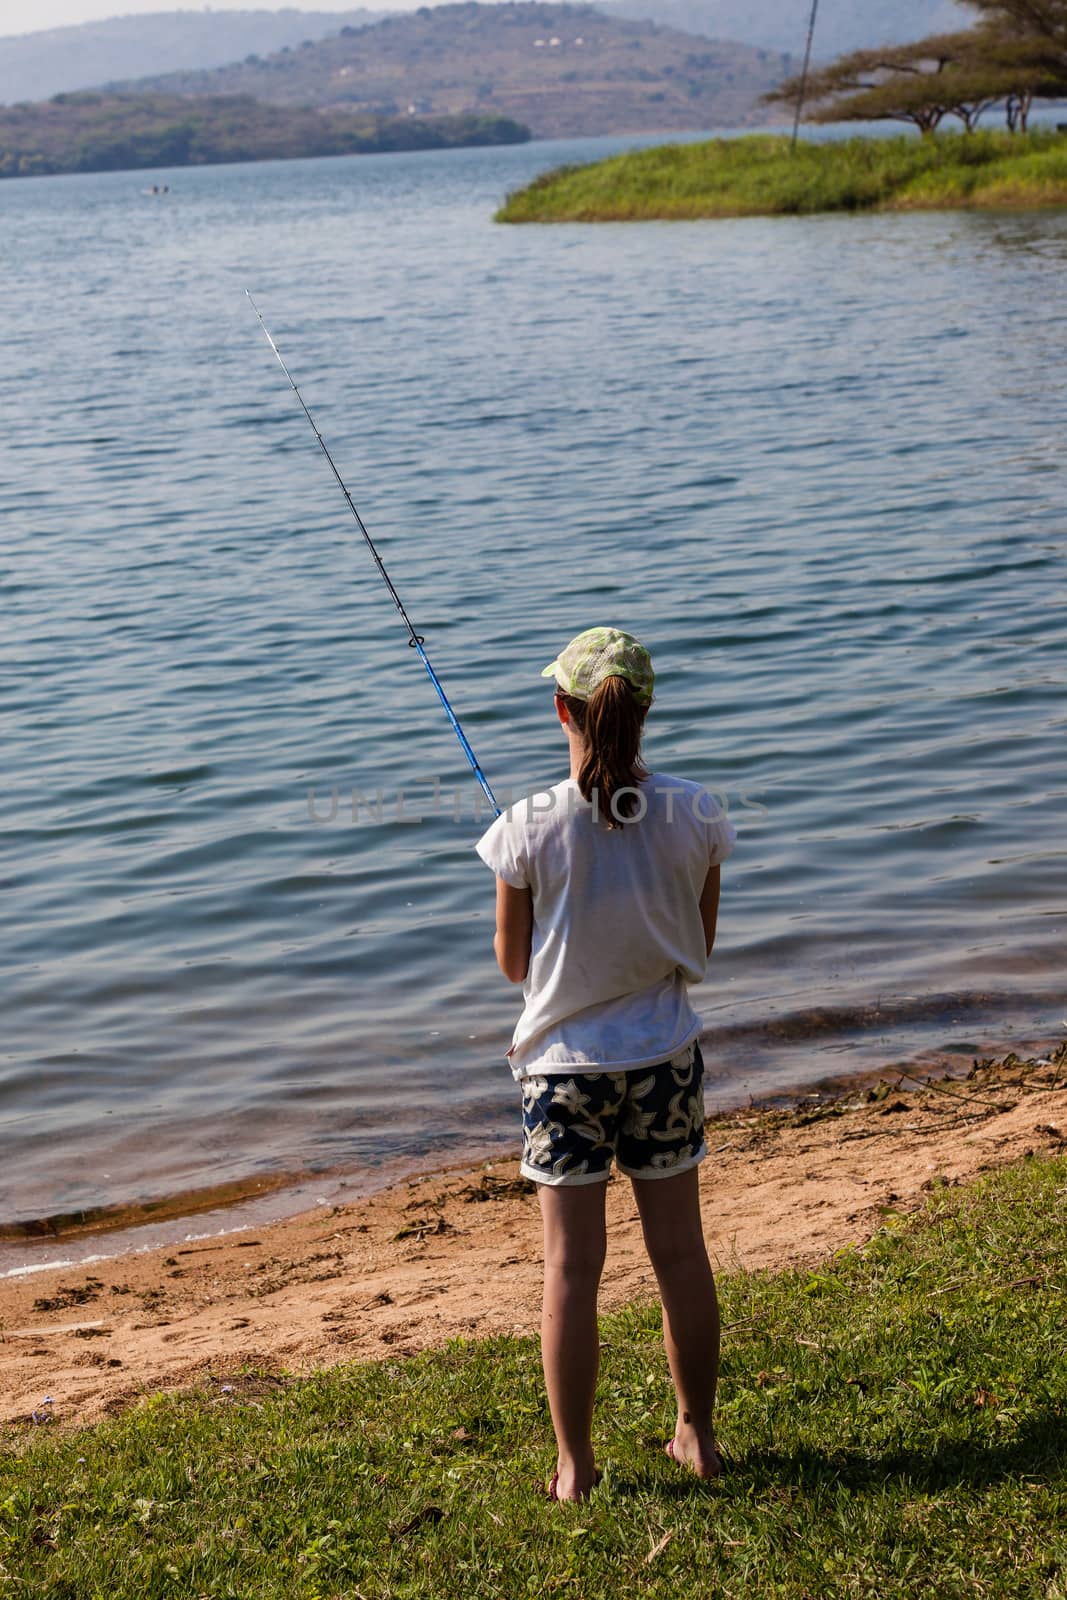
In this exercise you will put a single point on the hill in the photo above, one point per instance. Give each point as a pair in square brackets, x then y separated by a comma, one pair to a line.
[561, 69]
[35, 66]
[841, 24]
[91, 132]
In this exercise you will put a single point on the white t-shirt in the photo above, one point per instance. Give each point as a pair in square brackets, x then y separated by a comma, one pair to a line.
[617, 932]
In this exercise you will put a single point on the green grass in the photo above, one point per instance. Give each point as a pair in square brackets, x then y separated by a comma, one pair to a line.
[894, 1425]
[759, 176]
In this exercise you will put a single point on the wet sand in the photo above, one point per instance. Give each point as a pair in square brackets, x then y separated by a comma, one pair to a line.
[457, 1253]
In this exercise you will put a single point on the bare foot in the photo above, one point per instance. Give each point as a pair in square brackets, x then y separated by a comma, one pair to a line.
[698, 1452]
[570, 1484]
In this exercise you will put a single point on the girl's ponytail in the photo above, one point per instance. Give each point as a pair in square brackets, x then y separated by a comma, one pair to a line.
[610, 723]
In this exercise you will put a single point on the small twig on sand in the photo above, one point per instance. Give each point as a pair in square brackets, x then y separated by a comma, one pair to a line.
[971, 1099]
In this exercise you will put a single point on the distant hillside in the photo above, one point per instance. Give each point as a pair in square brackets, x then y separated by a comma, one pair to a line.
[90, 132]
[841, 25]
[35, 66]
[561, 69]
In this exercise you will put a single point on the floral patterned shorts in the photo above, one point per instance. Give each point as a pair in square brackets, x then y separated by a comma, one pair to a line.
[650, 1120]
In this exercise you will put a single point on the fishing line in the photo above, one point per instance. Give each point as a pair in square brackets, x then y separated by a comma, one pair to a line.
[415, 640]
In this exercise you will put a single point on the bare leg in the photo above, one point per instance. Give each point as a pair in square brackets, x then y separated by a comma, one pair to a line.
[575, 1243]
[670, 1218]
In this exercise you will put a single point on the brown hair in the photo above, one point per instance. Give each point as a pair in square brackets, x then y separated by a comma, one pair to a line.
[610, 723]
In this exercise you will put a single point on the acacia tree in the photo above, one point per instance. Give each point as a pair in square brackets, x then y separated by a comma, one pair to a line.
[1031, 39]
[1032, 75]
[952, 74]
[920, 83]
[1042, 24]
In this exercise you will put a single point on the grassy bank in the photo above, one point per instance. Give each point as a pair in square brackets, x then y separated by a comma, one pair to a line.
[893, 1423]
[760, 176]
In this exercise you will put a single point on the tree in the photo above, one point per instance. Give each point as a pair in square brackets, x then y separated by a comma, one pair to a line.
[1032, 74]
[1032, 36]
[951, 74]
[1042, 24]
[919, 83]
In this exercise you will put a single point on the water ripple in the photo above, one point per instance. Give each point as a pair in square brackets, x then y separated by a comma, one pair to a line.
[811, 460]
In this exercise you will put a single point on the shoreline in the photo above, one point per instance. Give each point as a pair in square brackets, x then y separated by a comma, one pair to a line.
[83, 1236]
[457, 1254]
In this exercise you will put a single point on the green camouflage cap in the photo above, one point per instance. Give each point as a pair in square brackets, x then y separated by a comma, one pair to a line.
[601, 653]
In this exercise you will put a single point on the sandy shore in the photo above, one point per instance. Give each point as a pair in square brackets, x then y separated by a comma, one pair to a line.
[458, 1253]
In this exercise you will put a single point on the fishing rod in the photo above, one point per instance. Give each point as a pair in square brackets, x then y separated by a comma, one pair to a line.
[802, 91]
[415, 640]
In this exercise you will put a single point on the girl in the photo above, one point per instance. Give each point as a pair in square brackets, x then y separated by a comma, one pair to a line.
[607, 895]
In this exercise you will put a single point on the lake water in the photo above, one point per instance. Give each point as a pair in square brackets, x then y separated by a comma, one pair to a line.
[818, 464]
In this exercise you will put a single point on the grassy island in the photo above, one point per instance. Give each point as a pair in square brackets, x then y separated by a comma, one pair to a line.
[761, 176]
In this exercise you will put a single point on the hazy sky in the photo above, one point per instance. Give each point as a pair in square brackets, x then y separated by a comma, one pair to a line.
[28, 16]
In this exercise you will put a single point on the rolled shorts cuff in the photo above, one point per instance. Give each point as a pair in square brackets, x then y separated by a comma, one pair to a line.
[665, 1172]
[565, 1180]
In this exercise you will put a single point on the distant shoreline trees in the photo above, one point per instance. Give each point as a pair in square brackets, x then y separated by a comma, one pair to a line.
[1014, 55]
[91, 131]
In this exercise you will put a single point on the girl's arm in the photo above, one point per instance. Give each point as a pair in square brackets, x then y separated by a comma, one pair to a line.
[709, 906]
[514, 930]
